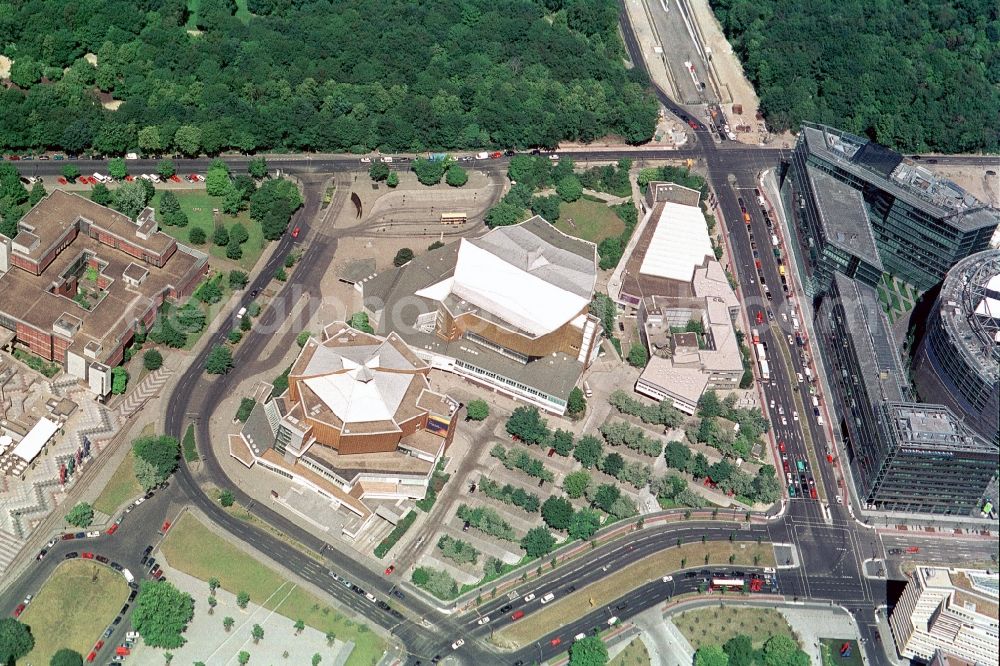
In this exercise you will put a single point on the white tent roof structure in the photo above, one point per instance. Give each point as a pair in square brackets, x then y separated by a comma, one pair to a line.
[679, 243]
[36, 439]
[360, 390]
[520, 278]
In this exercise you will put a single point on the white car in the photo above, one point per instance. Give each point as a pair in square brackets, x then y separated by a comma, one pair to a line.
[94, 534]
[840, 499]
[457, 644]
[667, 579]
[530, 597]
[484, 619]
[612, 620]
[370, 597]
[50, 543]
[580, 636]
[548, 597]
[554, 157]
[366, 160]
[387, 159]
[140, 500]
[784, 421]
[772, 403]
[27, 599]
[795, 415]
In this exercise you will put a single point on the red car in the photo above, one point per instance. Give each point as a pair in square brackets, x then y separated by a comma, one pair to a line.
[786, 466]
[760, 317]
[18, 610]
[87, 556]
[62, 181]
[130, 178]
[67, 536]
[781, 445]
[517, 615]
[390, 569]
[91, 657]
[812, 493]
[175, 178]
[693, 124]
[112, 529]
[555, 641]
[165, 527]
[98, 645]
[295, 232]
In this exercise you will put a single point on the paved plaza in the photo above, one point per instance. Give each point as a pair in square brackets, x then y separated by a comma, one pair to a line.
[209, 642]
[27, 499]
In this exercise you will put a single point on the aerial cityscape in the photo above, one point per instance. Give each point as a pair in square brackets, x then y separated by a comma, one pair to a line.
[520, 332]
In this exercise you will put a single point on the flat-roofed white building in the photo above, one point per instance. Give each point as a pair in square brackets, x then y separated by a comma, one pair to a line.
[948, 610]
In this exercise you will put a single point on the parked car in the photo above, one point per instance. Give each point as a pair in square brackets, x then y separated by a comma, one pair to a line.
[457, 644]
[18, 610]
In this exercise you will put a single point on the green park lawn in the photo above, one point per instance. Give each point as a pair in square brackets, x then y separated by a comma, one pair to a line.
[194, 549]
[121, 488]
[74, 606]
[830, 649]
[198, 205]
[635, 654]
[592, 221]
[714, 625]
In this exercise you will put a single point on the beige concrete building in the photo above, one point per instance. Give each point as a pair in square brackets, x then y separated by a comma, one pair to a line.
[953, 611]
[359, 425]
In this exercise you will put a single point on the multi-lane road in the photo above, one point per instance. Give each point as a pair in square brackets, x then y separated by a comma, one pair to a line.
[831, 547]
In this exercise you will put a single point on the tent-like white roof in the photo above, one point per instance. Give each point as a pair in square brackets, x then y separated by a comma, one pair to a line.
[514, 294]
[32, 444]
[362, 393]
[679, 243]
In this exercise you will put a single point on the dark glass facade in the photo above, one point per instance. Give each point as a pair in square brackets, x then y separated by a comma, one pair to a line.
[903, 455]
[921, 226]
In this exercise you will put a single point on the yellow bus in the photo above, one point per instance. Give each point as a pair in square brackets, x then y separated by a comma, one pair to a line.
[454, 218]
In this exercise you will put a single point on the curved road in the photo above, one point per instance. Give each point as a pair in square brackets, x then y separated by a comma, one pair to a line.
[830, 547]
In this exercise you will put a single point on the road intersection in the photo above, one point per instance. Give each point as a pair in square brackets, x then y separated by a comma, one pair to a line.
[830, 546]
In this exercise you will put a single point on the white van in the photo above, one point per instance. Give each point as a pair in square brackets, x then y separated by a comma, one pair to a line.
[482, 156]
[128, 575]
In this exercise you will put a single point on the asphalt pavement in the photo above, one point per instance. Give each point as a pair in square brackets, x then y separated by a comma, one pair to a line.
[831, 545]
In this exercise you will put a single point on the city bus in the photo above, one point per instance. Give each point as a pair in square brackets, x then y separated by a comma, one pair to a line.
[727, 583]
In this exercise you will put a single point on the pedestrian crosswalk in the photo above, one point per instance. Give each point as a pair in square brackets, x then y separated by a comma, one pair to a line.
[10, 545]
[150, 385]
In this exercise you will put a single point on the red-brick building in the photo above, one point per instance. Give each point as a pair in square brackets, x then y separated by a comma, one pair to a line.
[78, 279]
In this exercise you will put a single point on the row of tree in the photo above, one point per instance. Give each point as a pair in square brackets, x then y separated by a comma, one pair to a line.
[778, 650]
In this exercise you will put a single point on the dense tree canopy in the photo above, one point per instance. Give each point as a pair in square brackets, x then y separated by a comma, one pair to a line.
[162, 613]
[920, 75]
[405, 75]
[15, 640]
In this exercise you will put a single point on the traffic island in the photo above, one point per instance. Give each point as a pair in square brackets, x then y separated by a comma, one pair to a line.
[569, 608]
[72, 609]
